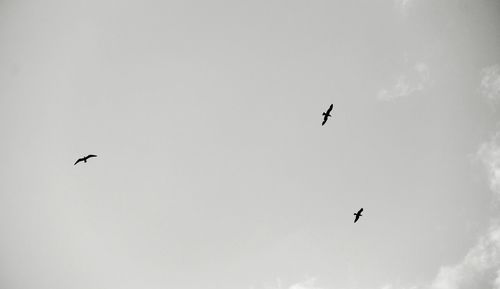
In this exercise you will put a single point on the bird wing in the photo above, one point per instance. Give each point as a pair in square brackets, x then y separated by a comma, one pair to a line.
[79, 160]
[329, 109]
[324, 120]
[91, 156]
[360, 210]
[357, 217]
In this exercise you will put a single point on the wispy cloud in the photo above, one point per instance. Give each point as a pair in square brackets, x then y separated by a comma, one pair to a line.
[490, 82]
[415, 80]
[309, 283]
[389, 286]
[402, 6]
[489, 154]
[479, 269]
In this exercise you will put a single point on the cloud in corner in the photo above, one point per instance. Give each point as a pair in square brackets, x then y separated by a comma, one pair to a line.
[490, 82]
[480, 268]
[489, 154]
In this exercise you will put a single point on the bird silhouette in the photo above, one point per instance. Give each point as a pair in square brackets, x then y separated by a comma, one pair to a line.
[358, 214]
[84, 159]
[327, 114]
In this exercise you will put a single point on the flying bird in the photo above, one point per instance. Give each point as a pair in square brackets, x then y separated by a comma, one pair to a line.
[327, 114]
[85, 158]
[358, 214]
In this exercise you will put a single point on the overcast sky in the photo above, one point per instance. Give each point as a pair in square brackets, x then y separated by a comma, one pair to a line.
[213, 169]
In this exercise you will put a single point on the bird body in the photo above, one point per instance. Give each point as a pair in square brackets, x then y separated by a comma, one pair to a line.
[327, 114]
[84, 159]
[358, 214]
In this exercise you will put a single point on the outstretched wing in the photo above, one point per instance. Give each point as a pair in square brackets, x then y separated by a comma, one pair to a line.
[356, 219]
[360, 210]
[91, 156]
[329, 109]
[79, 160]
[324, 120]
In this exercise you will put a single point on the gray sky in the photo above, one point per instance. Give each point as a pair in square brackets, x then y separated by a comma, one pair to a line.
[213, 170]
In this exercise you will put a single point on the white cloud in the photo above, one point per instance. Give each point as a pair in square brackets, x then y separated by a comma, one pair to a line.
[389, 286]
[423, 72]
[403, 6]
[490, 82]
[489, 153]
[416, 80]
[308, 284]
[480, 269]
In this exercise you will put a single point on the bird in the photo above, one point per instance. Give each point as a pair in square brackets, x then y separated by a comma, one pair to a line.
[85, 158]
[358, 214]
[327, 114]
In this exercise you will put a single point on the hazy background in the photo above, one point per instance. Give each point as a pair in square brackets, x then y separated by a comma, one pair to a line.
[213, 169]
